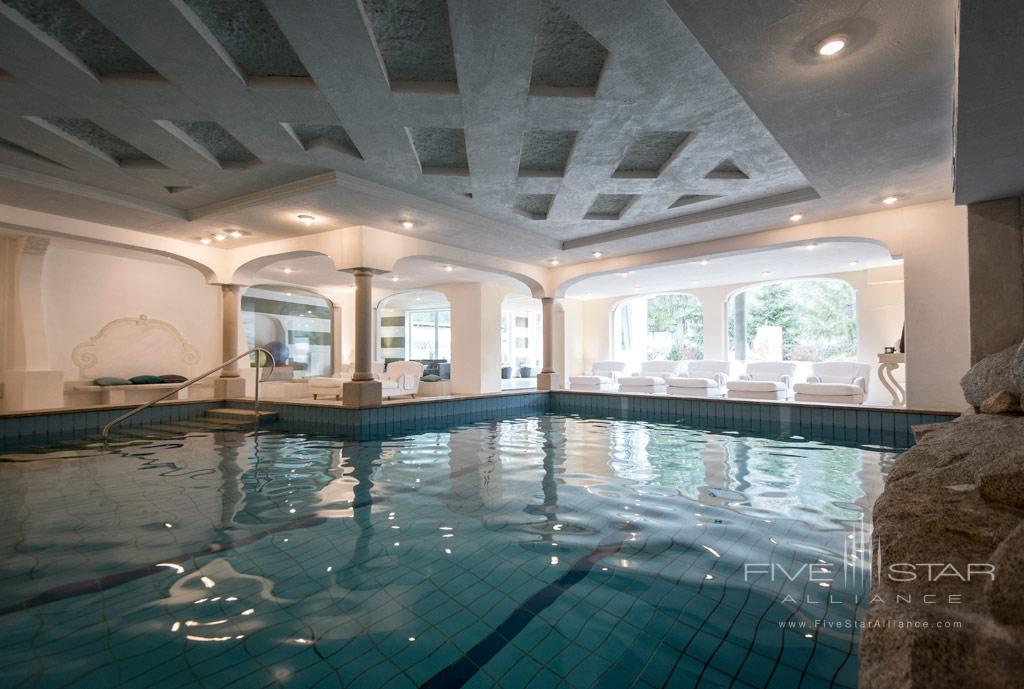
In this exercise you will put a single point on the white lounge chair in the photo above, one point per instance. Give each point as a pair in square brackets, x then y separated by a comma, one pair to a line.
[651, 378]
[401, 378]
[700, 379]
[764, 380]
[330, 385]
[838, 382]
[602, 377]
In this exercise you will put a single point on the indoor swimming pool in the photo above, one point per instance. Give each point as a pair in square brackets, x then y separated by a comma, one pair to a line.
[544, 551]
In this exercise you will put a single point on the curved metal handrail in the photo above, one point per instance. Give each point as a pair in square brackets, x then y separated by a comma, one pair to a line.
[132, 412]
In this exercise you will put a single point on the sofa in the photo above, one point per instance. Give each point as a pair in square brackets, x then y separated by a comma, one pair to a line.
[651, 377]
[763, 380]
[704, 378]
[835, 382]
[601, 378]
[401, 379]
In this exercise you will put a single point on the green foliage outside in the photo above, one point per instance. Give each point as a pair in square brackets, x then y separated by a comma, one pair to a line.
[818, 318]
[675, 327]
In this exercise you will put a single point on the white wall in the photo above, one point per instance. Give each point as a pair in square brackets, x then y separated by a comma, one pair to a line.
[86, 287]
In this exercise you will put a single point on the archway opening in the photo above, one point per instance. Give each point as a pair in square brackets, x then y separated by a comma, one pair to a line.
[658, 327]
[294, 324]
[416, 326]
[522, 341]
[793, 320]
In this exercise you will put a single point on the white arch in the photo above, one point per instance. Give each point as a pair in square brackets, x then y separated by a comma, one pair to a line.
[535, 286]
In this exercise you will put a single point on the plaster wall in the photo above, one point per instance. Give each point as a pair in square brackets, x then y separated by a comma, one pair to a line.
[86, 287]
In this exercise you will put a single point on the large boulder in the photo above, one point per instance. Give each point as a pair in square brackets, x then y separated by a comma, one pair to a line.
[956, 499]
[993, 374]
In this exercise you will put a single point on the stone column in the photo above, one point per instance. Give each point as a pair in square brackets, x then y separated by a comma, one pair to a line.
[995, 254]
[548, 379]
[335, 339]
[363, 390]
[229, 383]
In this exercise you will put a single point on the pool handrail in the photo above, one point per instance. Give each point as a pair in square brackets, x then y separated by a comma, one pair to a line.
[105, 433]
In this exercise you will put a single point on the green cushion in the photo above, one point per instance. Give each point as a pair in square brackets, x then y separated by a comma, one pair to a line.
[430, 379]
[146, 380]
[172, 378]
[111, 380]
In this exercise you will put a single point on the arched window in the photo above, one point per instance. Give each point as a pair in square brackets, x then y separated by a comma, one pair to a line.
[665, 326]
[795, 320]
[415, 325]
[293, 324]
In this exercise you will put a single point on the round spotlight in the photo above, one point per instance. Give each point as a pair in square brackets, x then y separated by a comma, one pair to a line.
[695, 282]
[408, 224]
[890, 200]
[554, 261]
[796, 217]
[765, 273]
[448, 269]
[624, 275]
[833, 45]
[205, 240]
[812, 247]
[705, 262]
[220, 237]
[287, 271]
[235, 234]
[597, 254]
[853, 263]
[636, 289]
[306, 219]
[394, 278]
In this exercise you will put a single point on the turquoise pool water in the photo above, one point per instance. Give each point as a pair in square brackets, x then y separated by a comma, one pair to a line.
[539, 552]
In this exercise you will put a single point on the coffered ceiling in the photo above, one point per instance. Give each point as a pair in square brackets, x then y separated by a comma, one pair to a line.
[528, 129]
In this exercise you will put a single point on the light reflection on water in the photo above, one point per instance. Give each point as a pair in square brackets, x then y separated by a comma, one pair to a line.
[297, 542]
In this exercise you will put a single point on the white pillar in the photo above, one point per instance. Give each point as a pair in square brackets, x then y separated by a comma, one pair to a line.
[229, 383]
[30, 382]
[476, 336]
[548, 378]
[363, 390]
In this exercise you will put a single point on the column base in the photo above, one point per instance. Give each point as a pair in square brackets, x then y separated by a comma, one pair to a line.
[229, 387]
[548, 381]
[39, 389]
[361, 393]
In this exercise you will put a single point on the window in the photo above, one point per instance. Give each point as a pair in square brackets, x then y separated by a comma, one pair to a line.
[430, 334]
[666, 326]
[295, 326]
[798, 320]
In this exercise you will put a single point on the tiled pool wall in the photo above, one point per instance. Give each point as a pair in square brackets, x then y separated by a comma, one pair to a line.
[860, 426]
[39, 427]
[853, 425]
[392, 419]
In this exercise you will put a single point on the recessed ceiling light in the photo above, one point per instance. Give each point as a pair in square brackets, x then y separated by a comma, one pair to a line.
[796, 217]
[288, 271]
[597, 254]
[417, 298]
[307, 219]
[205, 240]
[394, 278]
[408, 224]
[831, 46]
[220, 237]
[554, 261]
[636, 289]
[235, 233]
[448, 269]
[288, 294]
[889, 200]
[705, 262]
[853, 263]
[812, 247]
[765, 273]
[695, 282]
[624, 275]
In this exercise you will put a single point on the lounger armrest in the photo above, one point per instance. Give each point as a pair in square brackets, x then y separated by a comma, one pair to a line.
[745, 376]
[785, 379]
[861, 383]
[721, 379]
[813, 379]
